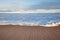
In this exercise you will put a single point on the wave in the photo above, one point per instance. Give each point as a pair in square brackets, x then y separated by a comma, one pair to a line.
[19, 23]
[52, 24]
[10, 12]
[3, 22]
[31, 11]
[28, 23]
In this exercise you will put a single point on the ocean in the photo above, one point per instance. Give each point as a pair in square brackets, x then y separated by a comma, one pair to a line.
[39, 18]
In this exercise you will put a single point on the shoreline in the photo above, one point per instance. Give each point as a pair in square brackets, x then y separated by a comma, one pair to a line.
[34, 24]
[30, 25]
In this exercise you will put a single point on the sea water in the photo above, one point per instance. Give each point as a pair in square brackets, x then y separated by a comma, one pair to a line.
[40, 18]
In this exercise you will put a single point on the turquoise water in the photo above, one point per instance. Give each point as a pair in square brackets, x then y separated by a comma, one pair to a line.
[40, 18]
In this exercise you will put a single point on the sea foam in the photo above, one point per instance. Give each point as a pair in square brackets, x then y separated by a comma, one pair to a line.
[52, 24]
[3, 22]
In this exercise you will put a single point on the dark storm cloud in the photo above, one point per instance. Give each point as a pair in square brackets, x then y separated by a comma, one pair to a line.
[46, 5]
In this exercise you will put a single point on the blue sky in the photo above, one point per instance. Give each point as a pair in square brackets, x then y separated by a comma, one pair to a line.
[29, 4]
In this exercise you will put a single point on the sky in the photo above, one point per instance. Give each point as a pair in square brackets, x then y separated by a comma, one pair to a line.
[29, 4]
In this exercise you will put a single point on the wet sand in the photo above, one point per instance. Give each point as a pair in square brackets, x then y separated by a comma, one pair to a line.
[16, 32]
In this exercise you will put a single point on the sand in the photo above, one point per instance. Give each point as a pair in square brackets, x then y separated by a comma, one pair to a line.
[16, 32]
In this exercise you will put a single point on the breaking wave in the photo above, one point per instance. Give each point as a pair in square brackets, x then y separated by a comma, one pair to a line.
[18, 23]
[3, 22]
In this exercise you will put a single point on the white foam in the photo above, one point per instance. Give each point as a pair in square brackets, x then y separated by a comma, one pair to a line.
[28, 24]
[3, 22]
[52, 24]
[32, 11]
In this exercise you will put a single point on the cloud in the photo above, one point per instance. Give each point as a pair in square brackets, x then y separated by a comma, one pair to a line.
[46, 5]
[30, 4]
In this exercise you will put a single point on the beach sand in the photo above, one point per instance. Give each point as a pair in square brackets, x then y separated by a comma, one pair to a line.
[16, 32]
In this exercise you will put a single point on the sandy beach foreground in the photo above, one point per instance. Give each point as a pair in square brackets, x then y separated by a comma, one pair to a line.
[17, 32]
